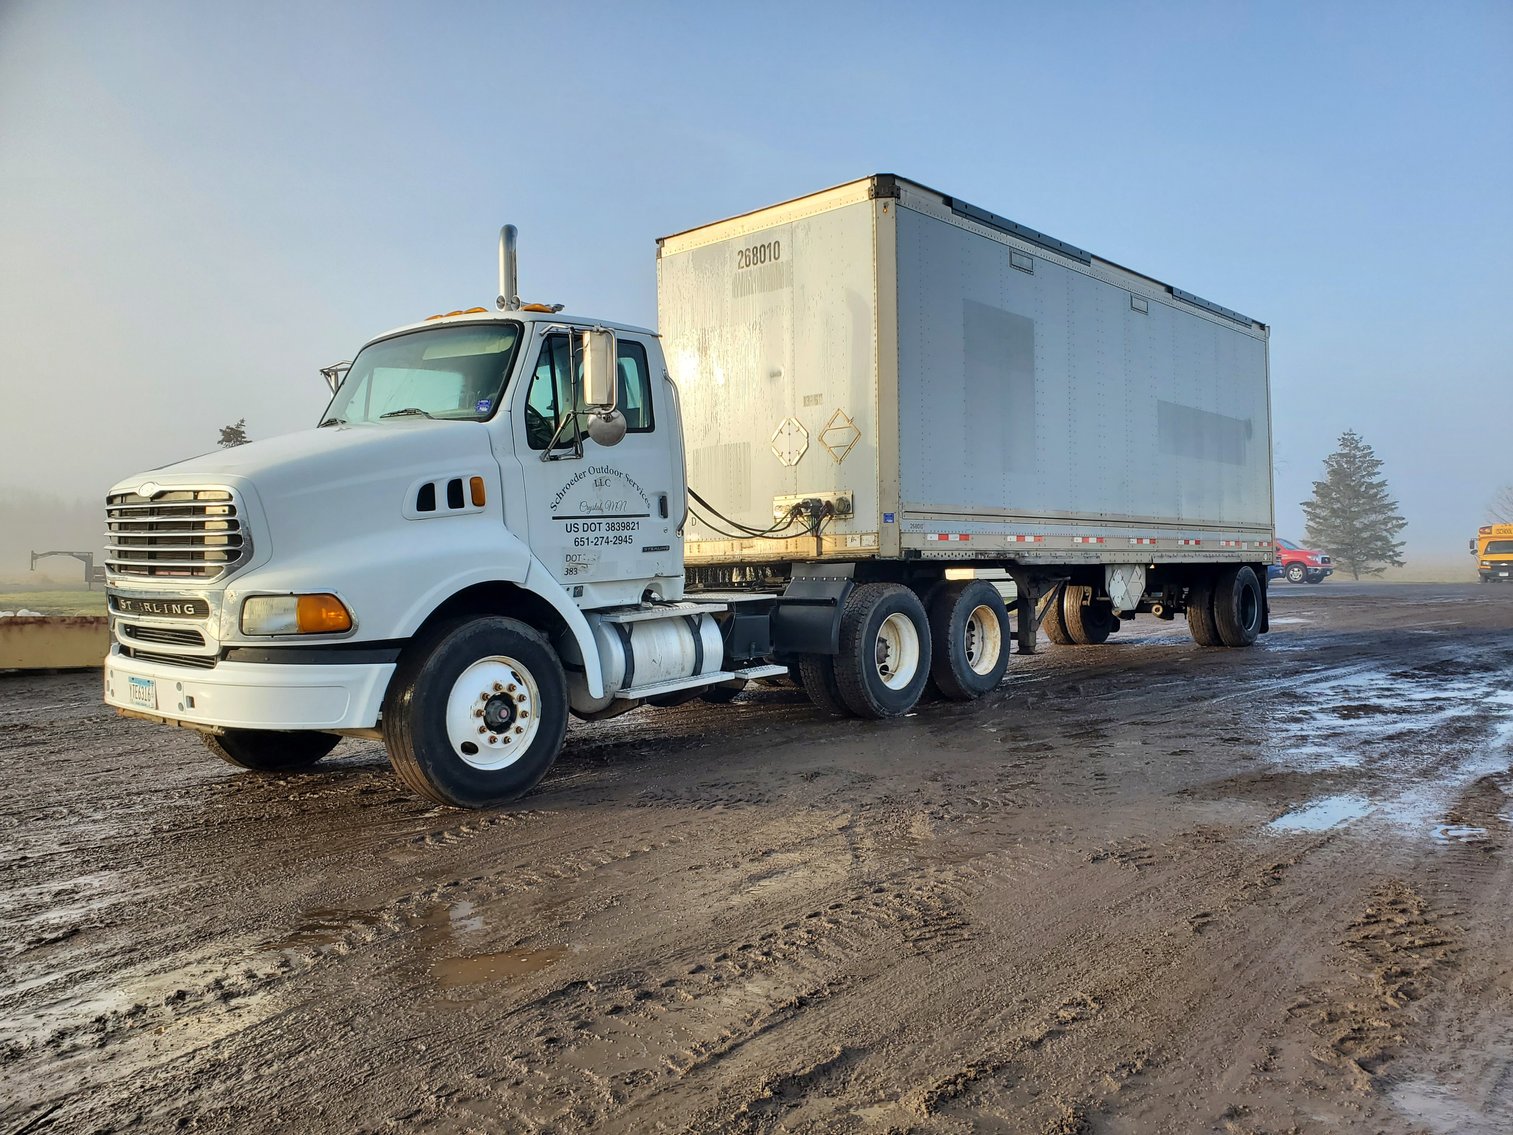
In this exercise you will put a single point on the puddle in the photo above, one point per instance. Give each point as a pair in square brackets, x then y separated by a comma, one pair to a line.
[1323, 814]
[1290, 621]
[1458, 833]
[476, 969]
[324, 926]
[1440, 1109]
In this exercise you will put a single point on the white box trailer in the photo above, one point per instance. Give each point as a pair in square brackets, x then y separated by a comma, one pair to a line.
[965, 389]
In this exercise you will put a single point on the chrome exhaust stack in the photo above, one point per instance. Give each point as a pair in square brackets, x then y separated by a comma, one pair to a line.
[509, 278]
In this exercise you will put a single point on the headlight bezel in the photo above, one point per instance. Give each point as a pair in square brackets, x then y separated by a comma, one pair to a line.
[295, 615]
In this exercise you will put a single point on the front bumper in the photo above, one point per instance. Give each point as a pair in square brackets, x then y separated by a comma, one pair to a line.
[249, 695]
[1497, 572]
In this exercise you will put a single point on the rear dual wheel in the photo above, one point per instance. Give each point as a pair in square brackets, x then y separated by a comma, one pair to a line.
[884, 658]
[969, 630]
[1072, 615]
[1225, 609]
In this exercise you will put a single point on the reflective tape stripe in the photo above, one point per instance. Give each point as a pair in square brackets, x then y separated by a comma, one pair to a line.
[1025, 539]
[947, 536]
[1137, 540]
[1087, 539]
[1190, 543]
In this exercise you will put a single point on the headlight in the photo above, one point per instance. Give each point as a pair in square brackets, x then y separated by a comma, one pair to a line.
[1312, 559]
[1486, 563]
[295, 614]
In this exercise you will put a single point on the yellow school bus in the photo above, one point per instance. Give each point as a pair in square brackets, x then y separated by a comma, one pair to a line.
[1493, 549]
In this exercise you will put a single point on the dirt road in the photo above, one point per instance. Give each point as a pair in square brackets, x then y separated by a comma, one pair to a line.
[1143, 887]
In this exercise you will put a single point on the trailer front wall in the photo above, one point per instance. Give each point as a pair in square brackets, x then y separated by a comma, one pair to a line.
[770, 330]
[1035, 389]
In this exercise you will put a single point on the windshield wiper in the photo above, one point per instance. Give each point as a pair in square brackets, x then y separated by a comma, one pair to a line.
[408, 411]
[332, 422]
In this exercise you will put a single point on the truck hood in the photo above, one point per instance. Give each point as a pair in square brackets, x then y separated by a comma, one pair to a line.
[315, 489]
[325, 460]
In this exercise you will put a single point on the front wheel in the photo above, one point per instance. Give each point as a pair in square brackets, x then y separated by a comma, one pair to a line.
[265, 750]
[884, 656]
[969, 628]
[1296, 573]
[476, 713]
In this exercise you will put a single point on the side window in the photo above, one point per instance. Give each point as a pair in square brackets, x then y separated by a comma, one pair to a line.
[549, 393]
[635, 387]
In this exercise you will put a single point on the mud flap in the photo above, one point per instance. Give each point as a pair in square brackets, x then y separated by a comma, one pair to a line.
[808, 616]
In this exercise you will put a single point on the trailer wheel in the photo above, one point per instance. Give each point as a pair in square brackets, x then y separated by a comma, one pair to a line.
[1237, 606]
[476, 713]
[816, 673]
[266, 750]
[1051, 620]
[1296, 572]
[1087, 623]
[1200, 613]
[969, 630]
[884, 660]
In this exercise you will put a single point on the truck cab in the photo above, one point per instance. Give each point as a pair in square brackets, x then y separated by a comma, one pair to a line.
[267, 594]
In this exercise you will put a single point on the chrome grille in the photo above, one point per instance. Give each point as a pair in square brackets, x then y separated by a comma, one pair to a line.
[163, 636]
[199, 661]
[176, 534]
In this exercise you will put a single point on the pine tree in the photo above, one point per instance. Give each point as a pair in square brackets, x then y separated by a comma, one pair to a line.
[235, 434]
[1351, 516]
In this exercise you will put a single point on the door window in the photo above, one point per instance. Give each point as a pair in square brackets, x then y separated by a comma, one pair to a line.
[553, 384]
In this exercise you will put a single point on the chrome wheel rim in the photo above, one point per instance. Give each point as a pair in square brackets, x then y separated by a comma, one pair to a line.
[897, 651]
[982, 640]
[492, 713]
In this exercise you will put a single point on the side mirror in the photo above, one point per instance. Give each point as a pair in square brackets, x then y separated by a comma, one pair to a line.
[600, 375]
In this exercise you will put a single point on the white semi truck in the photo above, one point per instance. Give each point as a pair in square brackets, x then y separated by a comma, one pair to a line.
[857, 402]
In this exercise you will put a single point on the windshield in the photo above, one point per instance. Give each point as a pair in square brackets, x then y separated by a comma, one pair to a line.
[1499, 548]
[457, 373]
[1288, 544]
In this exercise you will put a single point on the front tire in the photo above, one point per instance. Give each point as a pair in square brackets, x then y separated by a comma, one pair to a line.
[816, 677]
[266, 750]
[969, 630]
[884, 660]
[476, 713]
[1296, 573]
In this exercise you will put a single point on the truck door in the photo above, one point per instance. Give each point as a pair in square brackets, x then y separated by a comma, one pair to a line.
[601, 518]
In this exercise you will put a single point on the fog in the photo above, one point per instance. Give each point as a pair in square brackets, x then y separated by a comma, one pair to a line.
[200, 206]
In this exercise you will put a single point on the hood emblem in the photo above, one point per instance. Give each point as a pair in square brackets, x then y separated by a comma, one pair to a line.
[148, 489]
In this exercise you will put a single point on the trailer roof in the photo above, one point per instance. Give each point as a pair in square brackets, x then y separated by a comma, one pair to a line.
[888, 185]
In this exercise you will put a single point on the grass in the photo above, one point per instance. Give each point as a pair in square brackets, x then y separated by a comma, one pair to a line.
[62, 602]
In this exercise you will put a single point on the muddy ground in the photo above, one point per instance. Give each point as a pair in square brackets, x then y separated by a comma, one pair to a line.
[1143, 887]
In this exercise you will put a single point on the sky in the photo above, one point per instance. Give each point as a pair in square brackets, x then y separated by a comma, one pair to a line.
[202, 204]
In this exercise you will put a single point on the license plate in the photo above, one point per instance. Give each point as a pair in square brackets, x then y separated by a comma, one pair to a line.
[143, 692]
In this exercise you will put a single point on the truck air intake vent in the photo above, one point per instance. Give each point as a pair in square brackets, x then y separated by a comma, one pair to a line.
[175, 534]
[425, 499]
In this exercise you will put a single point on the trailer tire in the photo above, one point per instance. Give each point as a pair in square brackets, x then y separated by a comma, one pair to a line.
[884, 659]
[1052, 621]
[816, 674]
[1237, 606]
[1089, 623]
[268, 750]
[1200, 613]
[969, 633]
[476, 712]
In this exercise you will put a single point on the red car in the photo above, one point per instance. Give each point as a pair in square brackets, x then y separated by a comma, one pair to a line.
[1297, 564]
